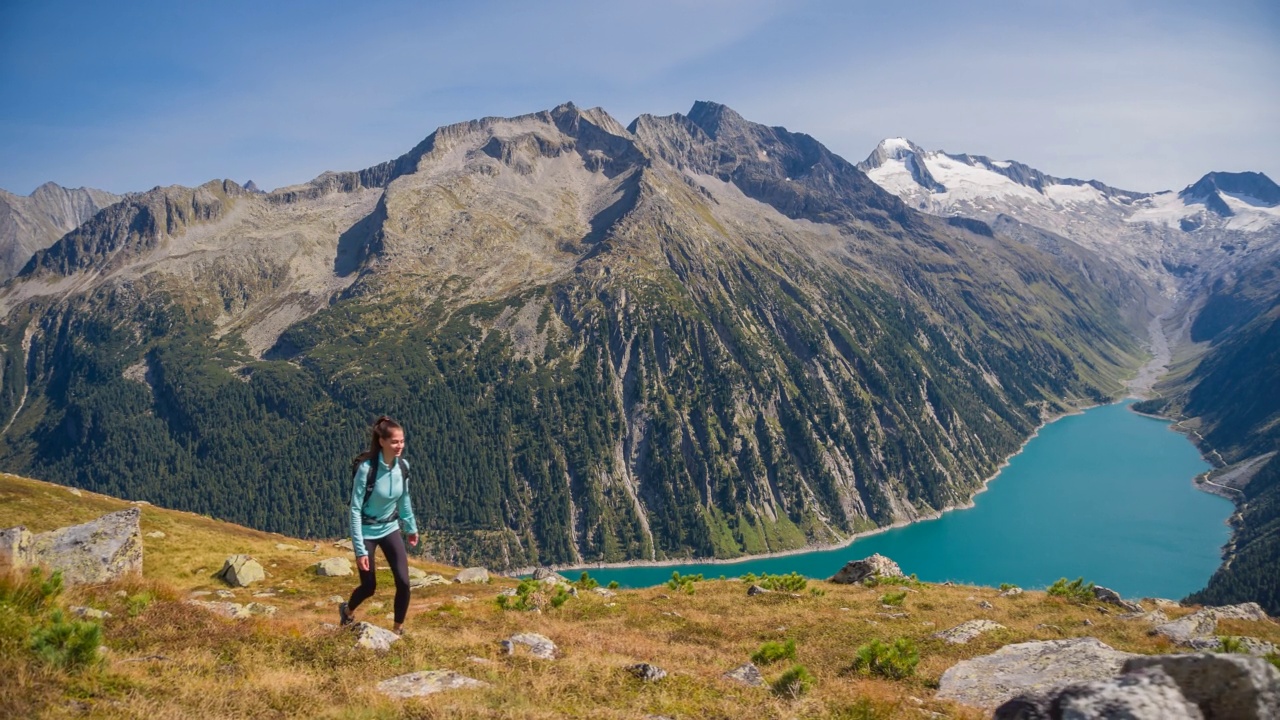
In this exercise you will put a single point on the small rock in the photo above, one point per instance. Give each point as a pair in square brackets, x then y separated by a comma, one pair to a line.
[265, 594]
[647, 672]
[334, 599]
[966, 631]
[426, 682]
[156, 535]
[226, 609]
[200, 593]
[285, 547]
[345, 545]
[1087, 622]
[427, 580]
[1155, 617]
[75, 491]
[374, 606]
[241, 571]
[90, 613]
[985, 605]
[547, 573]
[373, 637]
[604, 592]
[747, 674]
[461, 598]
[479, 660]
[473, 575]
[856, 571]
[1112, 597]
[756, 590]
[540, 646]
[508, 592]
[224, 594]
[1011, 592]
[256, 608]
[416, 573]
[334, 567]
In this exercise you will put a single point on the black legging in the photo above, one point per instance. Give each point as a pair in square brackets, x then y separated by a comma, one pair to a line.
[393, 548]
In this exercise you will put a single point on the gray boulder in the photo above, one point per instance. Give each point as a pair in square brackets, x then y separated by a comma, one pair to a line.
[241, 571]
[856, 571]
[1198, 628]
[472, 575]
[257, 608]
[426, 580]
[372, 637]
[966, 631]
[747, 674]
[1031, 667]
[1143, 695]
[1223, 686]
[647, 672]
[540, 646]
[334, 567]
[756, 590]
[94, 552]
[1111, 597]
[427, 682]
[544, 573]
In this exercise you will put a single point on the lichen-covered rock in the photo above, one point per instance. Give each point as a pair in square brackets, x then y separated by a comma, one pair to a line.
[334, 567]
[426, 682]
[426, 580]
[747, 674]
[1030, 667]
[241, 571]
[472, 575]
[540, 646]
[257, 608]
[966, 631]
[1198, 629]
[98, 551]
[1222, 685]
[855, 571]
[647, 672]
[372, 637]
[89, 613]
[1143, 695]
[1011, 592]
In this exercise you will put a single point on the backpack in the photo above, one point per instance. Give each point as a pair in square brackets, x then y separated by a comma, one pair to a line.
[373, 480]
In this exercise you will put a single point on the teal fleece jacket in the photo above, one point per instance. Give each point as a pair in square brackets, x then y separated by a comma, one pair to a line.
[389, 493]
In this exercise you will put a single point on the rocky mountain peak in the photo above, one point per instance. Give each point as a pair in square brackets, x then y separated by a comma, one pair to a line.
[716, 119]
[1249, 187]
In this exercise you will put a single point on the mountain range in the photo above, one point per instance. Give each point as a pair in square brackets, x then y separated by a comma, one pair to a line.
[690, 336]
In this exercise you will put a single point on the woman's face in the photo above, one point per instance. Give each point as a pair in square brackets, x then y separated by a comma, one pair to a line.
[394, 443]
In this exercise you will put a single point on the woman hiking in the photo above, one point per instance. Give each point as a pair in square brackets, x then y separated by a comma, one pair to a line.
[379, 504]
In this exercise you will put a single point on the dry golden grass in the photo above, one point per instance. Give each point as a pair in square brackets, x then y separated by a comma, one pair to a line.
[173, 660]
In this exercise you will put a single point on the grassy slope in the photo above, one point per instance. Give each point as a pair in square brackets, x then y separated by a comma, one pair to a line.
[291, 666]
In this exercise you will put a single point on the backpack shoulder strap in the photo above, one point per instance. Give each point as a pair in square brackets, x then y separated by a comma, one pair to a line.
[370, 480]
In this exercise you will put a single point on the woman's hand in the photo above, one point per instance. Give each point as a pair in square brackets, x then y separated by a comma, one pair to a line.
[413, 539]
[363, 563]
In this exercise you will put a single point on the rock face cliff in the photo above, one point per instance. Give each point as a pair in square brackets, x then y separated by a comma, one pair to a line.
[692, 336]
[35, 222]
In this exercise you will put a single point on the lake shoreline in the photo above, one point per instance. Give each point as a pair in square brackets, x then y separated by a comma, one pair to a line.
[820, 547]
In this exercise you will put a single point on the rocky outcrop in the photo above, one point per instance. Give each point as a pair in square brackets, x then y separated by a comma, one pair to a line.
[856, 571]
[472, 575]
[35, 222]
[98, 551]
[1111, 597]
[427, 682]
[1198, 629]
[1162, 687]
[241, 571]
[1028, 668]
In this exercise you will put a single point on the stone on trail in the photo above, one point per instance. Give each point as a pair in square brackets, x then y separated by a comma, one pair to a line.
[426, 580]
[241, 571]
[426, 682]
[747, 674]
[373, 637]
[1144, 695]
[98, 551]
[1031, 667]
[334, 567]
[855, 571]
[966, 631]
[473, 575]
[540, 646]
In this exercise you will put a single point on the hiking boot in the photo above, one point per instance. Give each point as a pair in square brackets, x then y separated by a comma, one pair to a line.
[344, 614]
[398, 631]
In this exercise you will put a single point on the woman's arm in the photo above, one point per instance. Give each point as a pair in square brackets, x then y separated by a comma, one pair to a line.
[357, 508]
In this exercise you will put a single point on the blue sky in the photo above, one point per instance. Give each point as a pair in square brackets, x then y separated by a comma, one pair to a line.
[126, 96]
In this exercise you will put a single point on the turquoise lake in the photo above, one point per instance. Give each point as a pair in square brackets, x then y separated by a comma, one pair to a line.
[1106, 495]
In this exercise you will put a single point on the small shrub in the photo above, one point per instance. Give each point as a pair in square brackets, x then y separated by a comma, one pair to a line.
[32, 593]
[894, 599]
[894, 661]
[613, 585]
[135, 604]
[524, 599]
[878, 580]
[794, 682]
[1076, 591]
[1230, 644]
[586, 582]
[793, 582]
[70, 645]
[560, 598]
[817, 592]
[773, 651]
[1007, 586]
[749, 578]
[683, 583]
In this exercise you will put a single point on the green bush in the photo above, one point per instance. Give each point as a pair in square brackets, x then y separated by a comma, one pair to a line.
[683, 583]
[894, 599]
[524, 599]
[794, 682]
[878, 580]
[894, 661]
[749, 578]
[560, 598]
[1007, 586]
[793, 582]
[1231, 644]
[135, 604]
[613, 585]
[70, 645]
[773, 651]
[1076, 591]
[586, 582]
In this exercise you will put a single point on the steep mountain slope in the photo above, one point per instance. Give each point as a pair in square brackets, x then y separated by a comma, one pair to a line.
[693, 336]
[34, 222]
